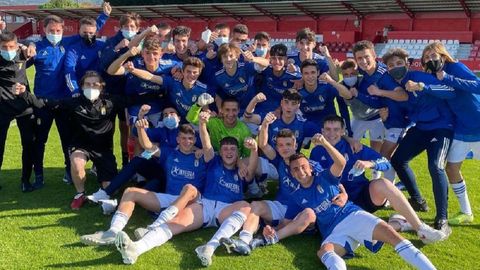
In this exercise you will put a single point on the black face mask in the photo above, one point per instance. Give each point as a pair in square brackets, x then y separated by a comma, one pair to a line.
[398, 72]
[435, 65]
[89, 40]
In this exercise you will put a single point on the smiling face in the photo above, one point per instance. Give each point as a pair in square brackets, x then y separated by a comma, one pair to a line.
[191, 74]
[230, 113]
[229, 59]
[305, 46]
[181, 44]
[185, 141]
[310, 75]
[366, 60]
[151, 57]
[333, 131]
[278, 62]
[302, 171]
[229, 154]
[286, 146]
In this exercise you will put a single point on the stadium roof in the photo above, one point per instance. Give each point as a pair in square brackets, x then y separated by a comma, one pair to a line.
[273, 10]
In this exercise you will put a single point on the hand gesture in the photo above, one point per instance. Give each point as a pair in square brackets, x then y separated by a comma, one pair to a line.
[324, 51]
[141, 123]
[354, 91]
[122, 44]
[363, 164]
[341, 198]
[107, 9]
[325, 77]
[177, 73]
[18, 89]
[210, 52]
[260, 97]
[291, 67]
[412, 86]
[383, 113]
[29, 51]
[153, 29]
[269, 118]
[250, 143]
[318, 139]
[192, 47]
[133, 51]
[129, 66]
[204, 117]
[205, 99]
[248, 55]
[143, 111]
[373, 90]
[297, 84]
[213, 36]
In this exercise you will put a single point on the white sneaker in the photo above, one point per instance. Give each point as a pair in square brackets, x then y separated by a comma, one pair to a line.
[97, 196]
[140, 232]
[429, 235]
[108, 206]
[205, 253]
[405, 226]
[99, 238]
[127, 248]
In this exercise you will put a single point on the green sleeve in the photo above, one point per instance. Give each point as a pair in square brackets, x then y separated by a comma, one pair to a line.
[193, 113]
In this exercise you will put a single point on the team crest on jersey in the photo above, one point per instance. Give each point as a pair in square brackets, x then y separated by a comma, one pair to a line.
[285, 83]
[235, 177]
[242, 80]
[44, 53]
[196, 163]
[194, 98]
[83, 57]
[319, 188]
[346, 157]
[321, 98]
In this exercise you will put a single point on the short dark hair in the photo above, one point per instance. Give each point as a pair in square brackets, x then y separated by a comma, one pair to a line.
[241, 29]
[348, 63]
[262, 35]
[292, 94]
[333, 118]
[92, 73]
[286, 133]
[181, 30]
[398, 52]
[278, 50]
[130, 17]
[163, 25]
[230, 99]
[296, 156]
[52, 19]
[88, 21]
[193, 61]
[186, 129]
[229, 141]
[8, 36]
[305, 33]
[308, 63]
[362, 45]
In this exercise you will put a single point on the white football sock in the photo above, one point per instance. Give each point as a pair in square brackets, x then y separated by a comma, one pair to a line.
[119, 221]
[246, 236]
[460, 190]
[166, 215]
[413, 256]
[154, 238]
[332, 261]
[228, 228]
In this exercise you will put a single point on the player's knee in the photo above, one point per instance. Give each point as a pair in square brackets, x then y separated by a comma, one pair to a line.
[308, 216]
[130, 193]
[257, 207]
[244, 207]
[190, 190]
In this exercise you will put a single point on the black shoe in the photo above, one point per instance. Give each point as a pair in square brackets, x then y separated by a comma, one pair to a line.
[442, 225]
[419, 206]
[26, 187]
[39, 182]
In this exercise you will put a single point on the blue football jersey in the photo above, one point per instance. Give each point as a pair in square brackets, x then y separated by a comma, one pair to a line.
[182, 98]
[222, 184]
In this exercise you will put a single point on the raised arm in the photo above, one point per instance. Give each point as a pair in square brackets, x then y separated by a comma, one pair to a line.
[248, 115]
[116, 68]
[207, 147]
[439, 91]
[260, 61]
[136, 40]
[339, 161]
[251, 144]
[267, 149]
[342, 90]
[398, 94]
[332, 68]
[143, 139]
[143, 74]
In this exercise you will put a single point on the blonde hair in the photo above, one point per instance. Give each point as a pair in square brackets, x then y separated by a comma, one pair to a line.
[439, 48]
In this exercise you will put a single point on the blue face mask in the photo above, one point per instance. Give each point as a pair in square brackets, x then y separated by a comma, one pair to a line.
[170, 122]
[8, 55]
[54, 39]
[350, 81]
[221, 40]
[128, 34]
[261, 52]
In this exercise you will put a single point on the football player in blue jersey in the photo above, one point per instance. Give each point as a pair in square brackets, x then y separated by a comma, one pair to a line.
[344, 228]
[181, 40]
[221, 201]
[319, 92]
[466, 109]
[433, 132]
[184, 172]
[369, 195]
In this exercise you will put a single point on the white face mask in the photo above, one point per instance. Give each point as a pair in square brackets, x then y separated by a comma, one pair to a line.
[91, 93]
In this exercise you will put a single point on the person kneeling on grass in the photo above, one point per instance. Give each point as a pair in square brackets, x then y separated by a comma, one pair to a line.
[344, 228]
[221, 201]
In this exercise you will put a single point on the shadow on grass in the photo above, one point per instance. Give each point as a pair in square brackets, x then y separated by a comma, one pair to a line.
[111, 258]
